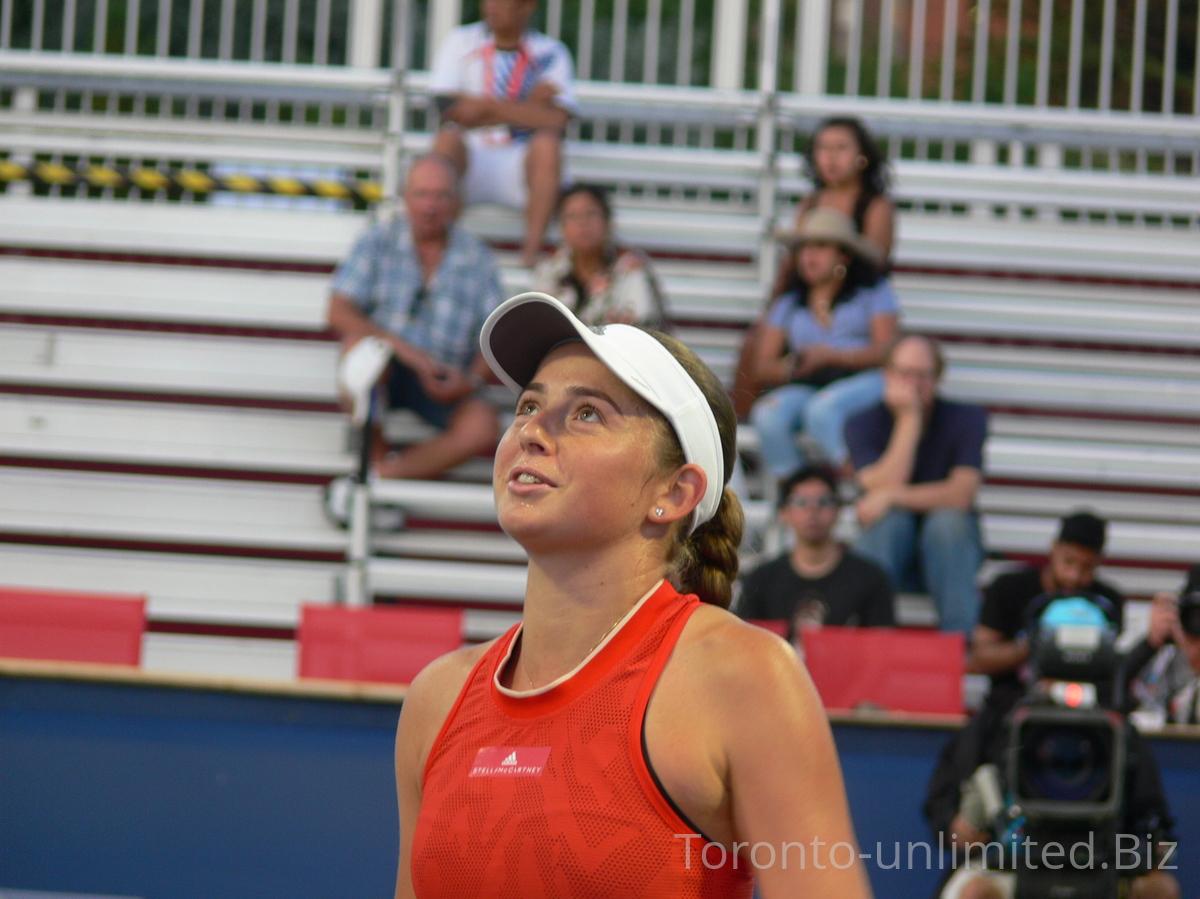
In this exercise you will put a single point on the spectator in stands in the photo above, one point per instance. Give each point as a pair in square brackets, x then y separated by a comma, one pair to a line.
[506, 93]
[819, 581]
[999, 644]
[1166, 664]
[594, 276]
[919, 461]
[424, 286]
[613, 479]
[822, 343]
[849, 173]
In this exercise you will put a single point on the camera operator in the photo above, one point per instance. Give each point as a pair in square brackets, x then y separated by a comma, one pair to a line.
[984, 817]
[999, 645]
[1166, 665]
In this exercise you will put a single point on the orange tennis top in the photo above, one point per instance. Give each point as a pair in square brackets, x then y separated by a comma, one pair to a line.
[550, 793]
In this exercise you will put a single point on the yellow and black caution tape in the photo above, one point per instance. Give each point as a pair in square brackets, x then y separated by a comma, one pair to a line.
[190, 180]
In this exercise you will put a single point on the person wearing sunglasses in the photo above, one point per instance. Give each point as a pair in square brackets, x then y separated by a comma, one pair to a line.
[818, 581]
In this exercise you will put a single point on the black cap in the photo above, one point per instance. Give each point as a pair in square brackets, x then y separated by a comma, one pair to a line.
[1083, 529]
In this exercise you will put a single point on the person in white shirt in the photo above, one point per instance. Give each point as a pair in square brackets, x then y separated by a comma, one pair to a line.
[506, 94]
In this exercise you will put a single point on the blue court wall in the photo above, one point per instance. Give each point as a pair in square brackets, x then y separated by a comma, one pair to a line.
[163, 792]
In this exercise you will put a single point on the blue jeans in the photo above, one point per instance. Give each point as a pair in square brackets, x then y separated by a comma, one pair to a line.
[786, 411]
[940, 552]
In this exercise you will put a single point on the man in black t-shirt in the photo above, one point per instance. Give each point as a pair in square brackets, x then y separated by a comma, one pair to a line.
[818, 581]
[998, 645]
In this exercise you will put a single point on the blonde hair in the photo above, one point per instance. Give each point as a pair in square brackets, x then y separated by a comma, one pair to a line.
[706, 562]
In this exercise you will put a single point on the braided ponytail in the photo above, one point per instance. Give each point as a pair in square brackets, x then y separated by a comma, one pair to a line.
[706, 562]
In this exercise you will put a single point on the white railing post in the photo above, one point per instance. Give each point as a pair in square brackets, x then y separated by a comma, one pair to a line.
[1050, 157]
[366, 20]
[729, 44]
[765, 138]
[397, 108]
[444, 17]
[983, 152]
[813, 46]
[24, 100]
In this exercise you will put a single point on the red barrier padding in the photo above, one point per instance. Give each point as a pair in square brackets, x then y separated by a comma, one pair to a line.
[888, 668]
[388, 644]
[64, 626]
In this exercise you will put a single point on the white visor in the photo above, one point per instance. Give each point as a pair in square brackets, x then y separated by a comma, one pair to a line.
[522, 330]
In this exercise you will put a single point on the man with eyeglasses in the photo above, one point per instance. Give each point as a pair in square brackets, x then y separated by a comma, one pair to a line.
[423, 286]
[919, 461]
[818, 581]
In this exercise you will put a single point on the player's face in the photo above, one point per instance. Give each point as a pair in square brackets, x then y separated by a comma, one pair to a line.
[1072, 567]
[811, 510]
[837, 155]
[584, 227]
[577, 468]
[430, 199]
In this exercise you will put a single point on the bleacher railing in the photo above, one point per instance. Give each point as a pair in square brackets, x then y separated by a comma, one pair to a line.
[334, 89]
[1133, 55]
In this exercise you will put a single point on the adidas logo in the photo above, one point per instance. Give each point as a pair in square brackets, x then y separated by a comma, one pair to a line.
[510, 759]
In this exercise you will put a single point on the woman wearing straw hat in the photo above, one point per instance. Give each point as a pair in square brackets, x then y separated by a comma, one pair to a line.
[629, 737]
[823, 341]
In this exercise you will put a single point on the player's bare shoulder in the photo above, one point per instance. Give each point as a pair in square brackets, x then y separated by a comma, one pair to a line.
[432, 694]
[728, 658]
[442, 680]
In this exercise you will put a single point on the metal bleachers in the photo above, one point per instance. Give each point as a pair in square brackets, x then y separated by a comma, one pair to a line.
[168, 416]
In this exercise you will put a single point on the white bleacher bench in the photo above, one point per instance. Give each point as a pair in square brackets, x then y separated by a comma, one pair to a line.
[192, 364]
[187, 231]
[188, 587]
[1073, 249]
[1078, 191]
[704, 213]
[1075, 380]
[284, 519]
[195, 295]
[176, 435]
[1137, 316]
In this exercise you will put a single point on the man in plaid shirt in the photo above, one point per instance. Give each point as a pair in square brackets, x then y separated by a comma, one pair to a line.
[424, 286]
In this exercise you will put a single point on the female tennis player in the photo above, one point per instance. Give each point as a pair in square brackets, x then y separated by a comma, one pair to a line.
[630, 737]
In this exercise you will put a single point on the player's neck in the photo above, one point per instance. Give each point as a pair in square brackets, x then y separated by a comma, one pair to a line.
[816, 559]
[569, 609]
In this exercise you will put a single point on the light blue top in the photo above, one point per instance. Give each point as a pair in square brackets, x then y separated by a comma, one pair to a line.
[851, 325]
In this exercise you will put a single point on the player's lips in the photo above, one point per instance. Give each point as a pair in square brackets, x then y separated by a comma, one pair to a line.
[522, 479]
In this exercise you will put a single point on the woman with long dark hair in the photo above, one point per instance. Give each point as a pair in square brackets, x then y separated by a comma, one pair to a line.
[849, 173]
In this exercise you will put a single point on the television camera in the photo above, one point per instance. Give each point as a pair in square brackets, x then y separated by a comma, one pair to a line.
[1059, 797]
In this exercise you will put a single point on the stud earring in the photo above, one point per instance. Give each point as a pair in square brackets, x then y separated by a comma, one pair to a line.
[658, 512]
